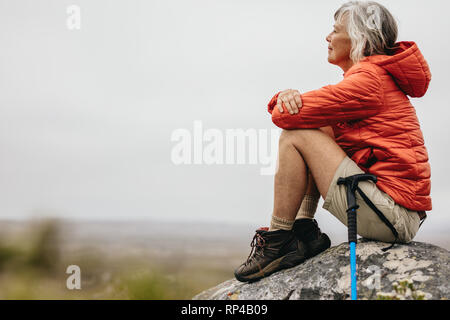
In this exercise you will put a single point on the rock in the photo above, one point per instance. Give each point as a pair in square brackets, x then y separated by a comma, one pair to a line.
[327, 276]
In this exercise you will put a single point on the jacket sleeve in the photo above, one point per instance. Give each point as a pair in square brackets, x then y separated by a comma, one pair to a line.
[357, 97]
[273, 103]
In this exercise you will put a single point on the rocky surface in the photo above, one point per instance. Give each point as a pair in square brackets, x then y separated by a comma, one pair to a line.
[327, 276]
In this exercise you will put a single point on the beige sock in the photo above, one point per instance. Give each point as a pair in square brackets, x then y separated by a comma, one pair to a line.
[280, 224]
[308, 207]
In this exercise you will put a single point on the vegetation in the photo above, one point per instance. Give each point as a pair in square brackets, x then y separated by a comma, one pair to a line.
[33, 266]
[403, 290]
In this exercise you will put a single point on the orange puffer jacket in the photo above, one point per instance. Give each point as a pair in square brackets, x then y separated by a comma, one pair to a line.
[374, 122]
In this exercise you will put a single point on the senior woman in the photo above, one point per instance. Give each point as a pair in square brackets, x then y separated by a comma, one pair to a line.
[363, 124]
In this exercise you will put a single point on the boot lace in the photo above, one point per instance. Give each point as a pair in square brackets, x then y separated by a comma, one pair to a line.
[257, 244]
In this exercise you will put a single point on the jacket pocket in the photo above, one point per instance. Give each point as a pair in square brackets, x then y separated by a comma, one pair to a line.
[375, 155]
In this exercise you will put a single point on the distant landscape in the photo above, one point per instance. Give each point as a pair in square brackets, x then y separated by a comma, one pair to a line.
[122, 259]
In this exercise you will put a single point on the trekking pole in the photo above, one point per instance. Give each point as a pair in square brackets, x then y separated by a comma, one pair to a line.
[351, 221]
[352, 184]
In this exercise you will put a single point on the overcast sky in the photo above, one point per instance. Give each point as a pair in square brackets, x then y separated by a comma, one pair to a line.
[87, 115]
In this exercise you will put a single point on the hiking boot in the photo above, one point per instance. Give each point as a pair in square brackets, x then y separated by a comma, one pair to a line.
[308, 231]
[271, 251]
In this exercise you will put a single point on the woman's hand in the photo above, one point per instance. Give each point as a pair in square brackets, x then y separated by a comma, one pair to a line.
[291, 99]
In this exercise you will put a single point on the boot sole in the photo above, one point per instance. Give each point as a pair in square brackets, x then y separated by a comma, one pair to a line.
[287, 261]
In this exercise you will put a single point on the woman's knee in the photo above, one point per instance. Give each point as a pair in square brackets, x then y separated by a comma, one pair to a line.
[328, 130]
[294, 136]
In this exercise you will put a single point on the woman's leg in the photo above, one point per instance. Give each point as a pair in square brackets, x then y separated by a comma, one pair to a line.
[299, 151]
[310, 201]
[279, 248]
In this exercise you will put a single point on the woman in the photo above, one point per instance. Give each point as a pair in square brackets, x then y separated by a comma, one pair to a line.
[364, 124]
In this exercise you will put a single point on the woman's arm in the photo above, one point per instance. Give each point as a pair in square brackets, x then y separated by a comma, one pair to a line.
[358, 96]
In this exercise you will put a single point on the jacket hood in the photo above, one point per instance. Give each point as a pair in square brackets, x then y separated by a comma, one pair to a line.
[407, 66]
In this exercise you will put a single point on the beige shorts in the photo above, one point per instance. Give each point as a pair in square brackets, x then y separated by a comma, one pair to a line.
[369, 225]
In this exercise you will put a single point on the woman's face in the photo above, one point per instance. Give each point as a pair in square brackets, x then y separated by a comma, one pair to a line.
[339, 46]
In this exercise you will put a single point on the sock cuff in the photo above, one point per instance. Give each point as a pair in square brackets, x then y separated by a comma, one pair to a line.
[308, 207]
[309, 197]
[278, 223]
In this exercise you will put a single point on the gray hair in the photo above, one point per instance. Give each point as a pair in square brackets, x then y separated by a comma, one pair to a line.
[371, 27]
